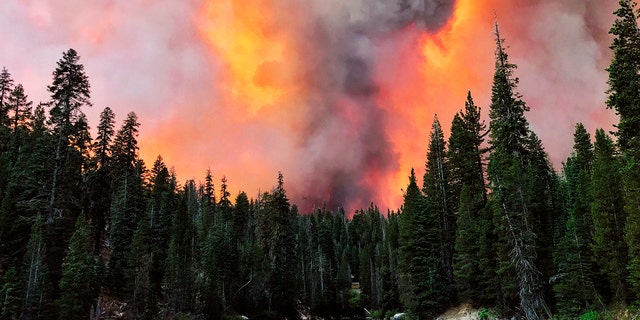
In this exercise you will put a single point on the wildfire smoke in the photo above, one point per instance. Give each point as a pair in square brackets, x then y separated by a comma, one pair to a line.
[338, 95]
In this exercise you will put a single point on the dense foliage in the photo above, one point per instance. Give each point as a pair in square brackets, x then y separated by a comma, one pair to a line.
[87, 230]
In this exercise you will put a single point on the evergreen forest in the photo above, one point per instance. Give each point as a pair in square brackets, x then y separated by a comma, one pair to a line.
[89, 230]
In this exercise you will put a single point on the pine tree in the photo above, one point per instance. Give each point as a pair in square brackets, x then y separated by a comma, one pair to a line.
[39, 126]
[127, 207]
[26, 192]
[473, 271]
[6, 87]
[124, 150]
[20, 108]
[241, 215]
[6, 138]
[278, 244]
[624, 97]
[222, 267]
[102, 144]
[573, 293]
[631, 183]
[510, 175]
[541, 184]
[70, 91]
[224, 204]
[78, 286]
[437, 190]
[209, 199]
[370, 264]
[423, 274]
[99, 180]
[578, 174]
[10, 294]
[468, 242]
[389, 270]
[609, 216]
[285, 293]
[80, 140]
[466, 152]
[574, 289]
[179, 275]
[624, 75]
[326, 261]
[37, 299]
[305, 254]
[161, 208]
[127, 203]
[143, 300]
[209, 190]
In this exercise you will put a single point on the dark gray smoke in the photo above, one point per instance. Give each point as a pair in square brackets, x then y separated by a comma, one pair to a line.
[429, 14]
[345, 142]
[331, 144]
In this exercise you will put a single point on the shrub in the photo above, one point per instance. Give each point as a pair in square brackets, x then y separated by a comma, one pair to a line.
[485, 314]
[376, 314]
[591, 315]
[355, 298]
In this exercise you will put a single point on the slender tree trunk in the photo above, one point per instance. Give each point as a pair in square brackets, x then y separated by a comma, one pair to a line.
[33, 280]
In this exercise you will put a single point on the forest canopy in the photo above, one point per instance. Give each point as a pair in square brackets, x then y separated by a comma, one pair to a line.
[89, 229]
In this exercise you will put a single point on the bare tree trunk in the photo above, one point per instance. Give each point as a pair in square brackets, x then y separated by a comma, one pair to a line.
[33, 282]
[522, 256]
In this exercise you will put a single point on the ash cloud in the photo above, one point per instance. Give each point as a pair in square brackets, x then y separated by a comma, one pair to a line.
[346, 143]
[336, 150]
[148, 56]
[430, 14]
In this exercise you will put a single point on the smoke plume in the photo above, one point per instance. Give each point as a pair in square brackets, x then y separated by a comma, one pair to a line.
[337, 95]
[346, 141]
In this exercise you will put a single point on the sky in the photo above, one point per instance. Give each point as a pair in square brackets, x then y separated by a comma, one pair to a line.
[337, 95]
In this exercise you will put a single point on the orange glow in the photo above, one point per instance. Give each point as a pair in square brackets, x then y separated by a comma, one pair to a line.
[264, 81]
[255, 84]
[258, 54]
[423, 74]
[438, 70]
[338, 95]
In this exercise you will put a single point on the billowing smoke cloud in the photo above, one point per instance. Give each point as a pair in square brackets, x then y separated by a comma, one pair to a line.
[345, 141]
[338, 95]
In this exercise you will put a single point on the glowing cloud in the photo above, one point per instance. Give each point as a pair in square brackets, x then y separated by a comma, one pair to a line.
[338, 95]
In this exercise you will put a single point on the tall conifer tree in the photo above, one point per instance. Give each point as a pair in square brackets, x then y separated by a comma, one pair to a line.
[473, 259]
[624, 97]
[99, 178]
[509, 175]
[20, 107]
[437, 190]
[78, 284]
[281, 249]
[421, 263]
[127, 202]
[70, 92]
[609, 216]
[624, 75]
[6, 87]
[179, 275]
[573, 255]
[37, 300]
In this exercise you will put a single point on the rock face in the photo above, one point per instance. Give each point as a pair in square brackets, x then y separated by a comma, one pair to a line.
[461, 312]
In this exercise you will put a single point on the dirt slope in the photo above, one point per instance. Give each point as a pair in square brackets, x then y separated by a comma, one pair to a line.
[461, 312]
